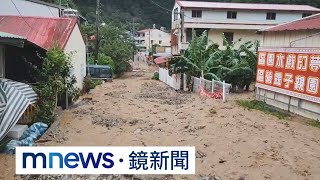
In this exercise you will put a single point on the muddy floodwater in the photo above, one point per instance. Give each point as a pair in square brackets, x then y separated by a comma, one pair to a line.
[231, 142]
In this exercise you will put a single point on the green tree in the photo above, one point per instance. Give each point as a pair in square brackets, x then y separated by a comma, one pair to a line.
[55, 78]
[116, 47]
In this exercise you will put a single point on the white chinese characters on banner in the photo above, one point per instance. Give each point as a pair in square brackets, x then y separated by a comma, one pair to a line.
[277, 79]
[270, 60]
[291, 61]
[262, 59]
[299, 83]
[315, 63]
[302, 63]
[260, 75]
[313, 85]
[291, 71]
[280, 61]
[269, 77]
[288, 80]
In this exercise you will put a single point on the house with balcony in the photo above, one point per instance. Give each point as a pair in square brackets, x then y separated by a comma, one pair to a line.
[147, 38]
[234, 20]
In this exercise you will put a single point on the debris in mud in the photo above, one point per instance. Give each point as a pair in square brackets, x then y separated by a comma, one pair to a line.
[244, 177]
[221, 161]
[81, 112]
[112, 122]
[212, 112]
[260, 127]
[54, 134]
[137, 131]
[117, 94]
[121, 86]
[153, 92]
[194, 129]
[200, 154]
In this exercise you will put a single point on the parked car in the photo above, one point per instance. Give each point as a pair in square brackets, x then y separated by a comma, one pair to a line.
[99, 72]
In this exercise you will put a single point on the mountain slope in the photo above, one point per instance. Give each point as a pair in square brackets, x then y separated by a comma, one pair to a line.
[148, 12]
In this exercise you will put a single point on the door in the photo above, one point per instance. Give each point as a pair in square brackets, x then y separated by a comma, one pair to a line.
[2, 62]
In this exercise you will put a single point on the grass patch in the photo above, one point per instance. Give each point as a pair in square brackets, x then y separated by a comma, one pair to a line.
[261, 106]
[314, 123]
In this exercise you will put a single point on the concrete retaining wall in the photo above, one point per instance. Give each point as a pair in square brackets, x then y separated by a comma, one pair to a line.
[290, 104]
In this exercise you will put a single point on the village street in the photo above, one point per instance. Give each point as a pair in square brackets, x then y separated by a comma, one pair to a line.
[231, 142]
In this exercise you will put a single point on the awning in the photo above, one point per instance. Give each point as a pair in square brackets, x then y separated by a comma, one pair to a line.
[11, 39]
[15, 98]
[161, 60]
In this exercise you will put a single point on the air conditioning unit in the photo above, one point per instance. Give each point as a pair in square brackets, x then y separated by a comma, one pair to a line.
[70, 13]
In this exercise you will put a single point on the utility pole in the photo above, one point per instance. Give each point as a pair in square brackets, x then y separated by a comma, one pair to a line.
[133, 34]
[182, 27]
[97, 33]
[60, 7]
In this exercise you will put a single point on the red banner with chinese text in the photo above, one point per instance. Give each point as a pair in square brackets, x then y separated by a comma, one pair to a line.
[291, 71]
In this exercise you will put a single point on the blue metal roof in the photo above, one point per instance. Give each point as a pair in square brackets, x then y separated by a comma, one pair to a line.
[11, 36]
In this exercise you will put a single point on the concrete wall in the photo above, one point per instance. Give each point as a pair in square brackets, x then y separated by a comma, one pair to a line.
[215, 36]
[27, 8]
[77, 50]
[290, 104]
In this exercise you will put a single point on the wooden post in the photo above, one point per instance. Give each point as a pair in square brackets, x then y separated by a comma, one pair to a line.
[67, 99]
[212, 85]
[224, 91]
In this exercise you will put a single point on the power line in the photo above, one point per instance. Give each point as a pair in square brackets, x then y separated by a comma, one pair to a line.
[24, 19]
[168, 10]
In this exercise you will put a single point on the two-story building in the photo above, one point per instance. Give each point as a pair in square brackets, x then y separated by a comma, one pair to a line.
[234, 20]
[146, 38]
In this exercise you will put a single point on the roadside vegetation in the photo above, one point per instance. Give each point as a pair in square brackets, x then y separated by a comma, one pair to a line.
[236, 66]
[55, 79]
[89, 84]
[116, 47]
[261, 106]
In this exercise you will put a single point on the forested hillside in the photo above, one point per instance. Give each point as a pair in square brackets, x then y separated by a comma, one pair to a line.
[148, 12]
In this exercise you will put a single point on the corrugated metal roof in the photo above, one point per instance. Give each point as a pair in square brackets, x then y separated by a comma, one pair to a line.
[42, 31]
[251, 6]
[311, 22]
[11, 36]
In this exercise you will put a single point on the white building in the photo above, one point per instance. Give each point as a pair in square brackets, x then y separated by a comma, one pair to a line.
[235, 20]
[34, 8]
[63, 32]
[295, 89]
[146, 38]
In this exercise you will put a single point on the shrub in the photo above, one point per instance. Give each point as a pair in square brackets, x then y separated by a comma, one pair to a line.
[89, 84]
[55, 78]
[155, 76]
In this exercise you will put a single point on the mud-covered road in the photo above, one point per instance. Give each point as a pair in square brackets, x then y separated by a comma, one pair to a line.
[231, 142]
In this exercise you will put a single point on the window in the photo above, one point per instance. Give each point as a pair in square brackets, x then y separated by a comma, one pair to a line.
[229, 37]
[175, 14]
[271, 16]
[151, 41]
[232, 15]
[160, 42]
[306, 14]
[196, 13]
[198, 32]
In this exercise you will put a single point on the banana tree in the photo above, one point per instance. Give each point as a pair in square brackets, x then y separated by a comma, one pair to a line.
[195, 60]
